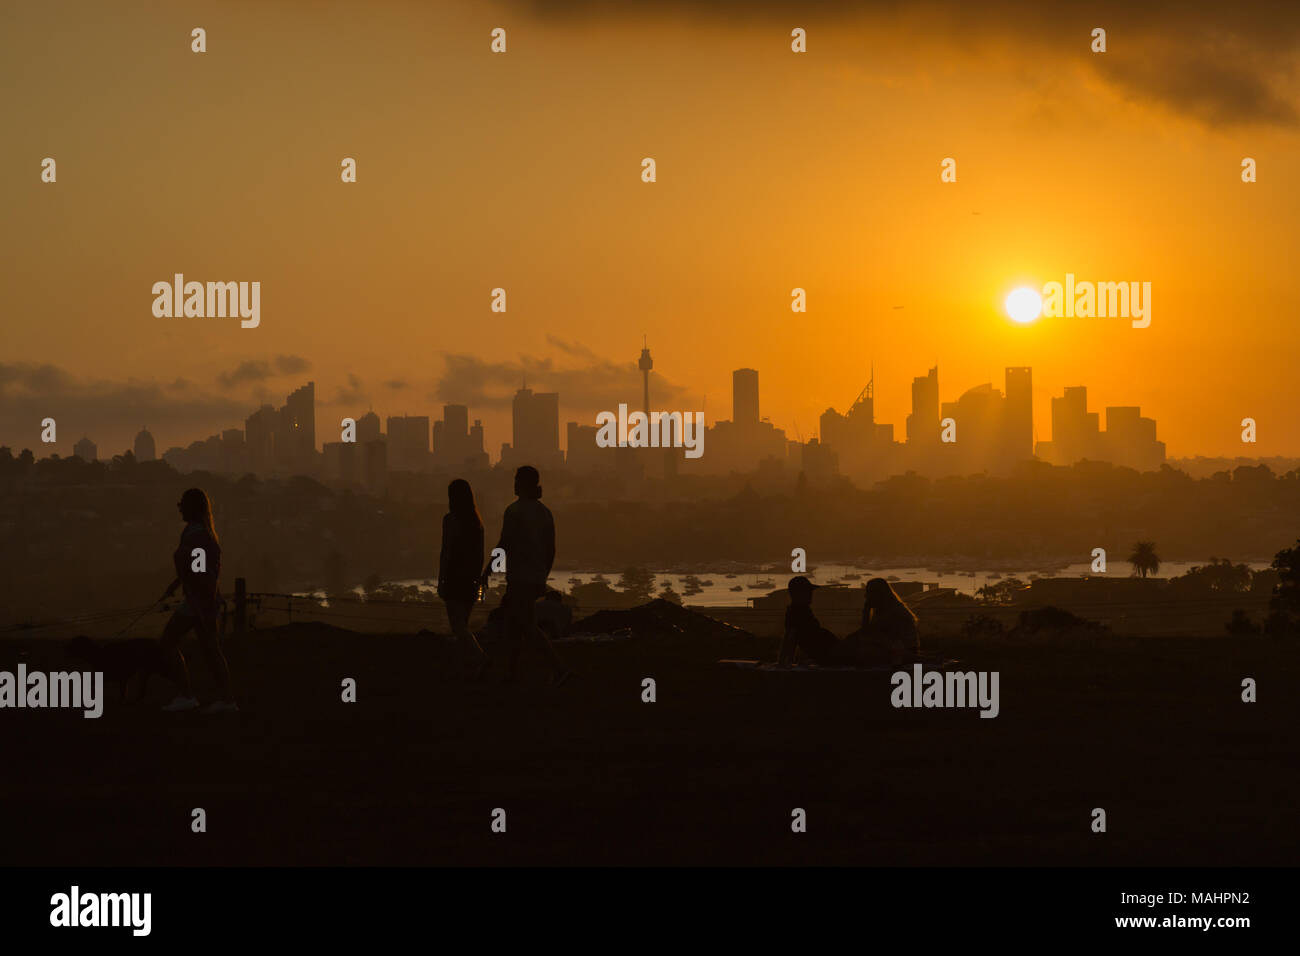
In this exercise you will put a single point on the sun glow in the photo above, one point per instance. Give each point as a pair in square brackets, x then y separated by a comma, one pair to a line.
[1024, 304]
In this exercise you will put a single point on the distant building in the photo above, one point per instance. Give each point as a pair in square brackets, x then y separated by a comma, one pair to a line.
[863, 447]
[85, 450]
[408, 443]
[744, 397]
[1018, 423]
[535, 435]
[259, 439]
[743, 442]
[375, 457]
[455, 444]
[1129, 439]
[368, 429]
[295, 443]
[343, 461]
[144, 448]
[923, 423]
[582, 455]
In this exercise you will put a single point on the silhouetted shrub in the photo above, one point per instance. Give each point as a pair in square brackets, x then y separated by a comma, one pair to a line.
[1241, 625]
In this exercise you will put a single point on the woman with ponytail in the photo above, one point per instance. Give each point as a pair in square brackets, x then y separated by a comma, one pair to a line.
[197, 560]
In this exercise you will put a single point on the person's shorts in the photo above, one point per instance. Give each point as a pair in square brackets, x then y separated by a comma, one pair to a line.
[187, 614]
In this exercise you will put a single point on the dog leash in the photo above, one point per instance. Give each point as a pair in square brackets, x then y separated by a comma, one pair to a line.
[147, 610]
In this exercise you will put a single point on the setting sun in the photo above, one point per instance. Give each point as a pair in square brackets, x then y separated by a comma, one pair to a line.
[1024, 304]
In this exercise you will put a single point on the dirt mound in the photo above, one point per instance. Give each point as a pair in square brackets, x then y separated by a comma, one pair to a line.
[1053, 620]
[657, 618]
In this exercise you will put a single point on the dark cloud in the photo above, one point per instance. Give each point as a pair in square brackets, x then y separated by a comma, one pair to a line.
[249, 371]
[291, 364]
[258, 370]
[110, 413]
[592, 384]
[352, 394]
[1220, 64]
[396, 384]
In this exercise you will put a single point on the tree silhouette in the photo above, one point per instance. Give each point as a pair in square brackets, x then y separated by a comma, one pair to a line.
[638, 584]
[1144, 558]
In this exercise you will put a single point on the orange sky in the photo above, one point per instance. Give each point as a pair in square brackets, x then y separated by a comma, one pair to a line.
[522, 170]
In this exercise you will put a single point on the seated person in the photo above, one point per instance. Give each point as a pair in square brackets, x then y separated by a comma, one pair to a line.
[889, 632]
[804, 634]
[554, 617]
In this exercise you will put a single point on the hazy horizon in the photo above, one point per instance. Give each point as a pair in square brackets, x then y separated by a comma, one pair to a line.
[522, 171]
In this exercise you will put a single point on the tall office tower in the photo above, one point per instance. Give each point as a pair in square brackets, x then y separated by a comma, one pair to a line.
[145, 449]
[408, 442]
[744, 397]
[453, 442]
[368, 428]
[1018, 420]
[476, 448]
[923, 423]
[1075, 430]
[295, 443]
[234, 453]
[978, 414]
[645, 364]
[536, 429]
[456, 420]
[1130, 439]
[259, 439]
[582, 454]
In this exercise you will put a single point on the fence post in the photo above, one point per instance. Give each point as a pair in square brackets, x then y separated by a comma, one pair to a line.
[241, 618]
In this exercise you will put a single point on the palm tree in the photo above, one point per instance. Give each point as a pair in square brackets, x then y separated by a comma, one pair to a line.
[1144, 558]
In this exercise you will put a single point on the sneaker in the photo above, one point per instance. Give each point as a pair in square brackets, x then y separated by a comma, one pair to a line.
[182, 703]
[221, 707]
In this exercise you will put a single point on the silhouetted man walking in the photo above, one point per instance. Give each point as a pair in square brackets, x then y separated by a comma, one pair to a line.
[528, 539]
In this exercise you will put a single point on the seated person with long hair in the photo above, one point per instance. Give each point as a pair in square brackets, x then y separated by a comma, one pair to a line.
[889, 633]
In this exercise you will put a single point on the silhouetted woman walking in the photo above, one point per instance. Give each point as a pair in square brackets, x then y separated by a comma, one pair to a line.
[459, 562]
[197, 560]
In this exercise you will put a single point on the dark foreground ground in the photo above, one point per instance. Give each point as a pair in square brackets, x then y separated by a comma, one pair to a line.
[1153, 730]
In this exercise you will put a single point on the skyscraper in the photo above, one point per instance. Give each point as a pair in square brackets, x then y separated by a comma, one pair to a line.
[144, 449]
[1018, 420]
[408, 442]
[536, 429]
[368, 428]
[455, 444]
[744, 397]
[923, 423]
[295, 442]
